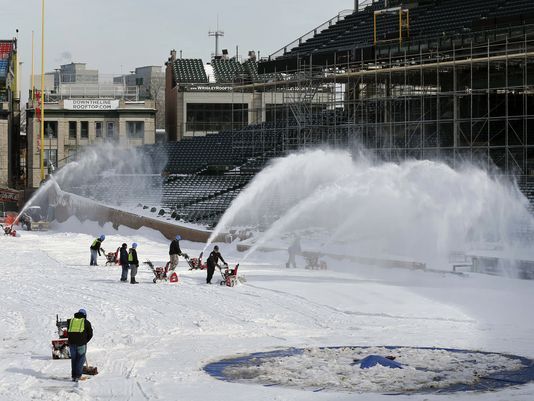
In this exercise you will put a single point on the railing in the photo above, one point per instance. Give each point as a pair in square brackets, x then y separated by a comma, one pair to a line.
[93, 91]
[334, 20]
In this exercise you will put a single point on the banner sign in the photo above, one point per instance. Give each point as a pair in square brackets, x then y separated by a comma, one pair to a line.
[208, 88]
[89, 105]
[8, 195]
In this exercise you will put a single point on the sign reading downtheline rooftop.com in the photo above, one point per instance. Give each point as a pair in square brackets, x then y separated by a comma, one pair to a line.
[86, 104]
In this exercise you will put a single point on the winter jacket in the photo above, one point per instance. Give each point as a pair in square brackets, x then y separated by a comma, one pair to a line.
[175, 248]
[213, 259]
[82, 331]
[132, 257]
[96, 245]
[124, 257]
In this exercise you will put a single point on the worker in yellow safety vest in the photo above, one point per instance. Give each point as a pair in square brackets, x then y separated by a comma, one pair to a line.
[133, 261]
[80, 333]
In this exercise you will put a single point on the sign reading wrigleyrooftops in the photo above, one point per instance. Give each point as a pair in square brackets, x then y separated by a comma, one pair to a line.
[86, 104]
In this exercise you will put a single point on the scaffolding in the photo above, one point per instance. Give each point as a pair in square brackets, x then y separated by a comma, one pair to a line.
[459, 98]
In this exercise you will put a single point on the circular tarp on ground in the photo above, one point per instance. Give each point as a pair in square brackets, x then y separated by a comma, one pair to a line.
[424, 370]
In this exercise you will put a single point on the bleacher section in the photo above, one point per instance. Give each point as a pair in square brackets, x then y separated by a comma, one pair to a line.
[190, 156]
[4, 65]
[5, 49]
[428, 18]
[189, 71]
[197, 199]
[227, 70]
[251, 68]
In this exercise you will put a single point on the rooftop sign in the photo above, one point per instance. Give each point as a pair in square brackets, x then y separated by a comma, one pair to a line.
[91, 104]
[208, 88]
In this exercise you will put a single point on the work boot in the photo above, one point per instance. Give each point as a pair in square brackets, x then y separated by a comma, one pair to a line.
[134, 282]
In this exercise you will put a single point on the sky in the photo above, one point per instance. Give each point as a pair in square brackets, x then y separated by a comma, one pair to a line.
[115, 36]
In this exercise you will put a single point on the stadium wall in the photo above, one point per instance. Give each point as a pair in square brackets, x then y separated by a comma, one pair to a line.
[68, 205]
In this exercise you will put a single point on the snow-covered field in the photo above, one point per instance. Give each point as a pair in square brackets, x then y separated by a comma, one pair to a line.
[152, 341]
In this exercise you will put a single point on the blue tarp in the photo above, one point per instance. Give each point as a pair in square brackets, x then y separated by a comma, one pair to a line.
[493, 381]
[373, 360]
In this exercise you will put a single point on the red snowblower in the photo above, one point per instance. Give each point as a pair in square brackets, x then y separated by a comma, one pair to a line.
[229, 276]
[162, 273]
[196, 263]
[60, 347]
[112, 258]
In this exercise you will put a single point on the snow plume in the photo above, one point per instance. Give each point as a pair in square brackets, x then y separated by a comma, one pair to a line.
[109, 173]
[351, 204]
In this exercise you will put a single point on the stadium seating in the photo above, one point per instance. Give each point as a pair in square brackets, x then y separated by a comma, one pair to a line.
[4, 65]
[251, 67]
[5, 50]
[228, 70]
[428, 18]
[189, 71]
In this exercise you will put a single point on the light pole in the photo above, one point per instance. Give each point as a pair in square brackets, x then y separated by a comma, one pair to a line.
[42, 87]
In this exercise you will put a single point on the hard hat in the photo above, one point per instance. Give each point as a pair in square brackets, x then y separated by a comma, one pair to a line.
[83, 312]
[102, 237]
[134, 245]
[216, 248]
[178, 238]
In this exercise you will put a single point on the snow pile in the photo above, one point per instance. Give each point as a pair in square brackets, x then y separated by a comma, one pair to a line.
[338, 369]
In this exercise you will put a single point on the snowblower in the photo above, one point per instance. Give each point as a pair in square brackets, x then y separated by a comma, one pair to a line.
[112, 258]
[60, 347]
[313, 262]
[162, 273]
[229, 276]
[196, 263]
[8, 230]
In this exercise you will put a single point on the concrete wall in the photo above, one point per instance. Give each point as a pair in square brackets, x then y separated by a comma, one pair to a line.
[68, 205]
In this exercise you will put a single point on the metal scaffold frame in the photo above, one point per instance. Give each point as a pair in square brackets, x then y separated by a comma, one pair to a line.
[456, 99]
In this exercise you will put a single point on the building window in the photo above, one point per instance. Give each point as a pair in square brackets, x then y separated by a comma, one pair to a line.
[73, 130]
[50, 157]
[110, 129]
[135, 129]
[51, 129]
[84, 131]
[98, 129]
[213, 117]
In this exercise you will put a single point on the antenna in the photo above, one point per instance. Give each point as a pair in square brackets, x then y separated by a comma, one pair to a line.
[217, 34]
